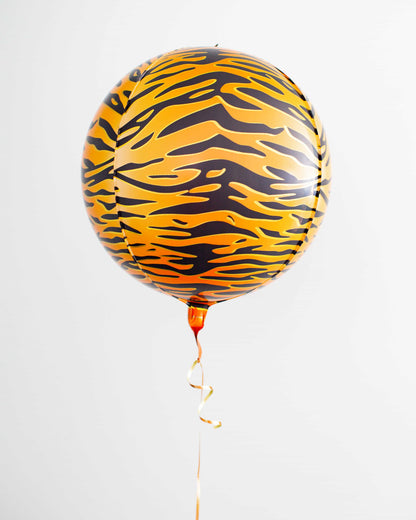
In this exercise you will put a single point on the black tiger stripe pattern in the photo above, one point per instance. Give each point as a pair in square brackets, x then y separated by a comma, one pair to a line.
[216, 172]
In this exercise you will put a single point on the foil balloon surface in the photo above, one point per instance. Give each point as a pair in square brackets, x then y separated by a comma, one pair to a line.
[206, 173]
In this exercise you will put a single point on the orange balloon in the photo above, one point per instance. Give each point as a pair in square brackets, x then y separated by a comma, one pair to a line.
[206, 173]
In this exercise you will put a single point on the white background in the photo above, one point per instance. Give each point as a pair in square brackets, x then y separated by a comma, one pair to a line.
[314, 374]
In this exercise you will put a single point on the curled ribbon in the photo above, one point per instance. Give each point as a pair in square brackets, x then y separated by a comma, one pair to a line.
[196, 319]
[202, 387]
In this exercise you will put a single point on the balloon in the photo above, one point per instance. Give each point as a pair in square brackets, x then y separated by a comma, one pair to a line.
[206, 173]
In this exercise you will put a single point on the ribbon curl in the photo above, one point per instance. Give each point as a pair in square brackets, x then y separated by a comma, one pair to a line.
[196, 319]
[202, 387]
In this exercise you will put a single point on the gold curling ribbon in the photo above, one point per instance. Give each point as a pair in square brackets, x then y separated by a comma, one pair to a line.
[196, 318]
[202, 387]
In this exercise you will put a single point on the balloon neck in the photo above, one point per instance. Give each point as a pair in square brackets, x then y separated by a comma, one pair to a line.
[196, 317]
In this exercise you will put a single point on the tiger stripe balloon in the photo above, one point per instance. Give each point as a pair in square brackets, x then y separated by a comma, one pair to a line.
[206, 173]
